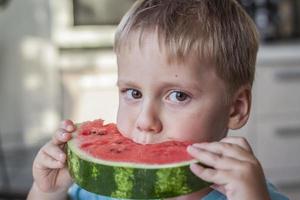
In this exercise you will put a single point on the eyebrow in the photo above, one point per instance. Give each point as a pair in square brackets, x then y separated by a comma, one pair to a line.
[189, 86]
[126, 82]
[192, 86]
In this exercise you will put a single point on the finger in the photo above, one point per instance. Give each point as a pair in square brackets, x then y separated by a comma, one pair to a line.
[219, 177]
[45, 161]
[67, 125]
[55, 152]
[242, 142]
[214, 160]
[65, 178]
[226, 149]
[61, 137]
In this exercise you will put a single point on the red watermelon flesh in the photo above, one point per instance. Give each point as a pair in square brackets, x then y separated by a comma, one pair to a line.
[105, 142]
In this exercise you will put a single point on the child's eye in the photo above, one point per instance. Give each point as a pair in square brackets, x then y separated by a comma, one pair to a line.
[178, 96]
[132, 94]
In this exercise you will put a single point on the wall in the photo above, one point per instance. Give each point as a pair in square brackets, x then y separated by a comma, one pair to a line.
[27, 71]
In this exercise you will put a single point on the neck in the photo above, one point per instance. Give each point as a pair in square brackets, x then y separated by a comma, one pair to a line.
[193, 196]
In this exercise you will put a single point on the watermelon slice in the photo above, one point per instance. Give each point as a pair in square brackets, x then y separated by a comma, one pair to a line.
[102, 161]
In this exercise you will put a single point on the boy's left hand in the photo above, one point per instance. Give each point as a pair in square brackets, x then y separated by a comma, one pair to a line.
[235, 169]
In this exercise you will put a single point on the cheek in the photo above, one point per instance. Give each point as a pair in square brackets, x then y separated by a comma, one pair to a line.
[213, 126]
[122, 122]
[205, 126]
[125, 119]
[191, 129]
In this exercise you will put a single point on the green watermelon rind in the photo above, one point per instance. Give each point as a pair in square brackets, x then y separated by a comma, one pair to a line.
[131, 181]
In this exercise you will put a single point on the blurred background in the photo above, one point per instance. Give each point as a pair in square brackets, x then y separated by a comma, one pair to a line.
[56, 62]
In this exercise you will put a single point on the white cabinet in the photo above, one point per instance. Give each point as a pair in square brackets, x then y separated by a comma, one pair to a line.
[275, 128]
[278, 142]
[277, 90]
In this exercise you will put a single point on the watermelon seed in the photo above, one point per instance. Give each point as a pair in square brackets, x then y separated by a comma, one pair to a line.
[125, 149]
[115, 150]
[101, 133]
[94, 132]
[85, 132]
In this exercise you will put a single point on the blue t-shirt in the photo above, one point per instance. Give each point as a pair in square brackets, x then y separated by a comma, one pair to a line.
[77, 193]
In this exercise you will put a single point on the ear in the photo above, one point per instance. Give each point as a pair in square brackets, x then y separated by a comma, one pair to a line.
[240, 107]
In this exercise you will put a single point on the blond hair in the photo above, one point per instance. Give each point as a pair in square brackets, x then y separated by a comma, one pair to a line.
[219, 31]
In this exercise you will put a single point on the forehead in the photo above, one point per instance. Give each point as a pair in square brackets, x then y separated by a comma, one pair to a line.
[150, 43]
[175, 49]
[149, 60]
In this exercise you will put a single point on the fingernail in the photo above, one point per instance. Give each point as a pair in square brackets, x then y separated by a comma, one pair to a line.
[190, 148]
[69, 128]
[63, 134]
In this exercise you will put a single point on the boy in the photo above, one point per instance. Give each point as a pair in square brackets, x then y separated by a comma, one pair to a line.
[185, 72]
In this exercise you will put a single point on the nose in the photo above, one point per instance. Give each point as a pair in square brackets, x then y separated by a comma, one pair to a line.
[148, 119]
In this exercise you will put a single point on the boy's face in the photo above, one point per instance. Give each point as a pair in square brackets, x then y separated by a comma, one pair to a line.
[160, 101]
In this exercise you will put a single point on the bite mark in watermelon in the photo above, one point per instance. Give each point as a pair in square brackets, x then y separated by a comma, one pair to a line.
[104, 162]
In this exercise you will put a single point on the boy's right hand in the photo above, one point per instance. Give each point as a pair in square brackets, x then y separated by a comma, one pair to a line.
[50, 172]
